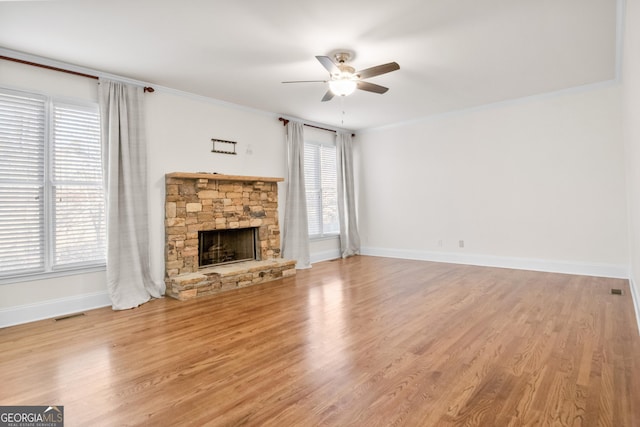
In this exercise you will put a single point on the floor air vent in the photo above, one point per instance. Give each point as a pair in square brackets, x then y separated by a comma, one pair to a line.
[70, 316]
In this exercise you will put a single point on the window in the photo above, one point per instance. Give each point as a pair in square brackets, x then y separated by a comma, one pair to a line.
[51, 192]
[322, 189]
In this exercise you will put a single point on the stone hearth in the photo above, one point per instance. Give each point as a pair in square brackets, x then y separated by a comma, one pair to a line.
[196, 202]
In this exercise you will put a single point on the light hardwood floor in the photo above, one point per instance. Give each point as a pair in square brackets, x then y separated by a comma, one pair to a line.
[365, 341]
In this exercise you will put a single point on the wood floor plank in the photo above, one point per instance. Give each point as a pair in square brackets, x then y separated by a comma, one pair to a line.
[362, 341]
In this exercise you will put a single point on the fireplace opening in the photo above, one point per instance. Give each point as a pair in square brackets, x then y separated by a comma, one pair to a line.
[217, 247]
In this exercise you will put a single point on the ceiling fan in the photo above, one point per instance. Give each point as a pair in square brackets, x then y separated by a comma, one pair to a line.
[344, 79]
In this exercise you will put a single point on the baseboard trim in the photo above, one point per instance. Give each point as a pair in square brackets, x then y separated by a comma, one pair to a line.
[566, 267]
[325, 256]
[52, 308]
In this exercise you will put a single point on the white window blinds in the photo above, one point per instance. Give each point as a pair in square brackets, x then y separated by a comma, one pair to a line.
[78, 197]
[51, 197]
[321, 188]
[22, 159]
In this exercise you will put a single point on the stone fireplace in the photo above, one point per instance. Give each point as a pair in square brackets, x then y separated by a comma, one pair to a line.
[221, 232]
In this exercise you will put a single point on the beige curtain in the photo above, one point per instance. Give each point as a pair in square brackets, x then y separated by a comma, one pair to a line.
[349, 236]
[295, 231]
[124, 163]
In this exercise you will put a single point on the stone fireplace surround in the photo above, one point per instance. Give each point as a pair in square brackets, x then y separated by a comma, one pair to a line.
[202, 201]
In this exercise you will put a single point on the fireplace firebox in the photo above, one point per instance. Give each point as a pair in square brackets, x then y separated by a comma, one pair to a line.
[217, 247]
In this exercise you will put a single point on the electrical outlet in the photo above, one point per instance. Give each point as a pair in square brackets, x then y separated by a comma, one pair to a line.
[461, 243]
[439, 243]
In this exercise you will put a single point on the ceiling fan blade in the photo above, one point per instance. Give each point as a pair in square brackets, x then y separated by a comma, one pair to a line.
[377, 70]
[327, 96]
[306, 81]
[370, 87]
[328, 64]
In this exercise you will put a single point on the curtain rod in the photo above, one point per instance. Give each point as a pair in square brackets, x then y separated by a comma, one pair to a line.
[286, 121]
[62, 70]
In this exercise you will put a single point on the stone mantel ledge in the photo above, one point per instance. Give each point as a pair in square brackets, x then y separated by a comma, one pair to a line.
[221, 177]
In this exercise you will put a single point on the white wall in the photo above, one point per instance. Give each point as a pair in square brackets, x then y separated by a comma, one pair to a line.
[539, 182]
[179, 137]
[631, 127]
[180, 128]
[534, 184]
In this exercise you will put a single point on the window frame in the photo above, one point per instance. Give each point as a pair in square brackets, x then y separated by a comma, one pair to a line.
[331, 234]
[50, 269]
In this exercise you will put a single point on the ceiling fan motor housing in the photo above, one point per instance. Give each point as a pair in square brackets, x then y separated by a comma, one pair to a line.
[342, 57]
[346, 72]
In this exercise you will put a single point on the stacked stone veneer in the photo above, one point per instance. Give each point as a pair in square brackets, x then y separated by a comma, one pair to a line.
[197, 202]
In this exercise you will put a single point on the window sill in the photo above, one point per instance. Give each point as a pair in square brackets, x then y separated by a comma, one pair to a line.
[327, 237]
[52, 274]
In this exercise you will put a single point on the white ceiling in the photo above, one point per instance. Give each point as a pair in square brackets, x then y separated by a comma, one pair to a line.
[453, 54]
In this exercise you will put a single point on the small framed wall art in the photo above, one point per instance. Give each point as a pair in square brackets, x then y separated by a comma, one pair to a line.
[223, 146]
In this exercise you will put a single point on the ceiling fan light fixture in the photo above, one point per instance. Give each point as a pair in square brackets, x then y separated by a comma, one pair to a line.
[342, 87]
[344, 79]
